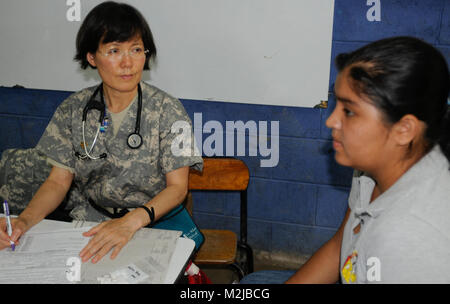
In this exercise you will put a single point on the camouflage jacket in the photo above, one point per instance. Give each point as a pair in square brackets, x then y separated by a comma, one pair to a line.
[22, 171]
[126, 177]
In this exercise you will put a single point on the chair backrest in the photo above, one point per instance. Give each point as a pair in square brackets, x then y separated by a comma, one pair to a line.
[220, 174]
[225, 174]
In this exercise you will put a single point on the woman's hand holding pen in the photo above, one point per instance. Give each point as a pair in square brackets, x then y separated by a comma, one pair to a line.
[4, 238]
[19, 226]
[112, 234]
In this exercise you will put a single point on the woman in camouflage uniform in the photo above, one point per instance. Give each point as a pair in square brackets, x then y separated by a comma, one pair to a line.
[116, 40]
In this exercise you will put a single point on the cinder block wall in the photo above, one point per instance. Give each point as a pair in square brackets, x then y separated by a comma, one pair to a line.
[298, 205]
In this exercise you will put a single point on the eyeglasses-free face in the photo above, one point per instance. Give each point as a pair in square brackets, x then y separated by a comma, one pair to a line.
[361, 139]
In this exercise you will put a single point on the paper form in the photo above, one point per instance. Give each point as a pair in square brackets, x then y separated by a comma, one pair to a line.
[41, 257]
[148, 253]
[43, 252]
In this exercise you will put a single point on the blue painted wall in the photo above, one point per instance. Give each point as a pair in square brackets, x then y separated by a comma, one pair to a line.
[298, 205]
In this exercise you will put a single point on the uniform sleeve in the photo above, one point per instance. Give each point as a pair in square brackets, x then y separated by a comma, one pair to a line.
[22, 172]
[56, 143]
[177, 145]
[54, 163]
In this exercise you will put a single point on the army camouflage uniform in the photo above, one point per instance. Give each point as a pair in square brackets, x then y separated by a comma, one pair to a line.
[22, 171]
[126, 177]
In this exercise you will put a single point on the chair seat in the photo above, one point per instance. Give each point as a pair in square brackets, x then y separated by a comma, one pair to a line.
[219, 247]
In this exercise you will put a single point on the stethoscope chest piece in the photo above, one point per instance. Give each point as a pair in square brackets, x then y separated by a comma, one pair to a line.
[134, 140]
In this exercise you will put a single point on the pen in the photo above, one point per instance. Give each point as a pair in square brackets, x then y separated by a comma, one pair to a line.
[8, 223]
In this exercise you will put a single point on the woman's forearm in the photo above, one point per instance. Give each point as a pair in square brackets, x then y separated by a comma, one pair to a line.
[166, 200]
[323, 266]
[48, 197]
[162, 203]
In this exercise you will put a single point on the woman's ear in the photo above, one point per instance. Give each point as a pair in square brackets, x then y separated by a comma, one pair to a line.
[408, 129]
[91, 59]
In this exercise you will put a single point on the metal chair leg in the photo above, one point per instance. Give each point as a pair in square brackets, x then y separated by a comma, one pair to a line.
[248, 257]
[238, 270]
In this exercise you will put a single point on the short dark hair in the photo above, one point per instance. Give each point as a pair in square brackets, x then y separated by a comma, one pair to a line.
[403, 75]
[111, 21]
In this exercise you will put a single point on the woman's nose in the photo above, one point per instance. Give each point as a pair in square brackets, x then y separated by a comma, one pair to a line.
[126, 60]
[332, 121]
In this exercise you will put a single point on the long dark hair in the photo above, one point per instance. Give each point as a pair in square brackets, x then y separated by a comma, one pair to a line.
[404, 75]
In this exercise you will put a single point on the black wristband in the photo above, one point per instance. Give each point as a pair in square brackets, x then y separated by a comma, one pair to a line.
[151, 213]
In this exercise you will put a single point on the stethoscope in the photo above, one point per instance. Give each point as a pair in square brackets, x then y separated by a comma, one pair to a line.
[134, 140]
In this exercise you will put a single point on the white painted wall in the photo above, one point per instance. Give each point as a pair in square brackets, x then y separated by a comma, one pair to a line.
[273, 52]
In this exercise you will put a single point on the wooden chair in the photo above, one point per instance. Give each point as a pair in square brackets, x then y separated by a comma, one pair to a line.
[221, 247]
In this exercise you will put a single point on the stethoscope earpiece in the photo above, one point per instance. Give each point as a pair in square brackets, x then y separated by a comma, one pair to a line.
[134, 140]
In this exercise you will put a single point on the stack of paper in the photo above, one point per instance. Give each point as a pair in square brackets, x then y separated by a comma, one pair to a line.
[48, 253]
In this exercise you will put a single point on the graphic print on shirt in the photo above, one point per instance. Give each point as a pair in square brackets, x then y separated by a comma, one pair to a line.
[349, 268]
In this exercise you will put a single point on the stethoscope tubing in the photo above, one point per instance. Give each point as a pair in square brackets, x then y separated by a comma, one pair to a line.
[100, 106]
[93, 143]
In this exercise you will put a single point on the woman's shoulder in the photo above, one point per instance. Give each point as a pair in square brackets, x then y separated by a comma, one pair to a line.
[166, 105]
[78, 97]
[421, 197]
[427, 204]
[157, 94]
[431, 203]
